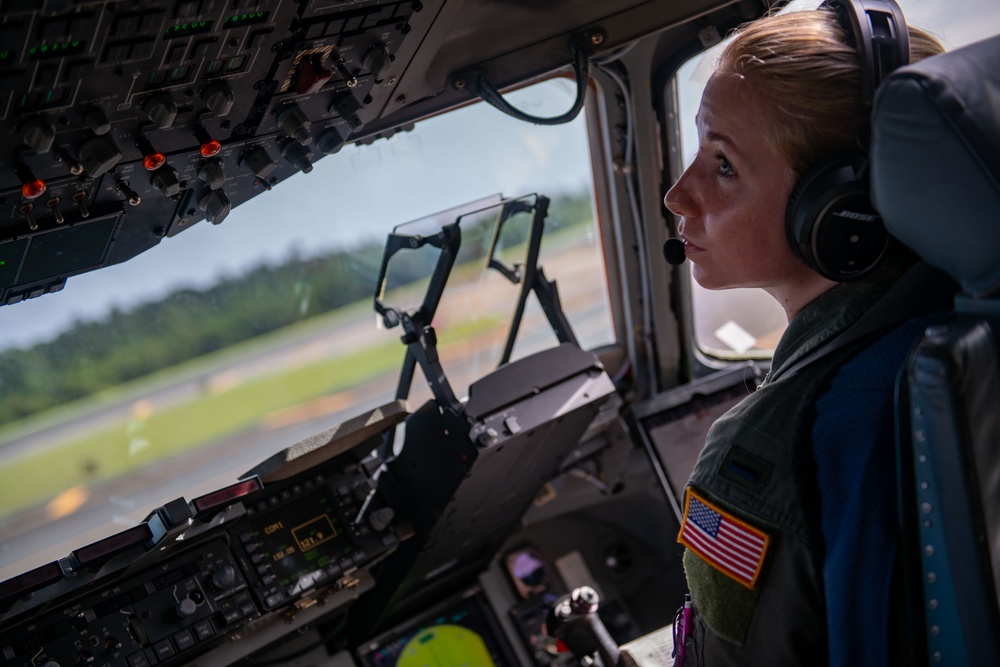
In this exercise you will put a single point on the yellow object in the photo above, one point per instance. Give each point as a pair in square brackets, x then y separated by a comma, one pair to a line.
[445, 646]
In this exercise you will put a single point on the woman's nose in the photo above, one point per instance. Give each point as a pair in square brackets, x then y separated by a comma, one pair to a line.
[678, 198]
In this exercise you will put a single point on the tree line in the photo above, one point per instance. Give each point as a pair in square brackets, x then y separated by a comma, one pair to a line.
[130, 343]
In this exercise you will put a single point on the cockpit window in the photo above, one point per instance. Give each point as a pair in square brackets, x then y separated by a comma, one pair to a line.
[173, 373]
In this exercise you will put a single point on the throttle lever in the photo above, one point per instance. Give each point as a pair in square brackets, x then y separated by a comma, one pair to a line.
[574, 621]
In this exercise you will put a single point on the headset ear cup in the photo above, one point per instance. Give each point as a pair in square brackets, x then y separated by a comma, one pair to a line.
[831, 224]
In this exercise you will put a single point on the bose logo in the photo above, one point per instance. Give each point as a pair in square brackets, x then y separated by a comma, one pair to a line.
[854, 215]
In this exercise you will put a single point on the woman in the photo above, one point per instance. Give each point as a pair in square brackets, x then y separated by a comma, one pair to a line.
[790, 513]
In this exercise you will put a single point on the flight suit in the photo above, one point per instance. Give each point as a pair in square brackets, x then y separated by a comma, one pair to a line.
[751, 525]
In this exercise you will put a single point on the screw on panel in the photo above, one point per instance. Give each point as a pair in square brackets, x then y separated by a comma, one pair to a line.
[596, 38]
[391, 81]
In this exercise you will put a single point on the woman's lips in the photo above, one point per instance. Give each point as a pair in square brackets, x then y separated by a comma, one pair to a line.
[690, 248]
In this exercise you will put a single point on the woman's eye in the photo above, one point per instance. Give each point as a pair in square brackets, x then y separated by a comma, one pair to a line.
[724, 165]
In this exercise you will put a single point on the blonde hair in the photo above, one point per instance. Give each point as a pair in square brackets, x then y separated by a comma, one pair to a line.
[807, 74]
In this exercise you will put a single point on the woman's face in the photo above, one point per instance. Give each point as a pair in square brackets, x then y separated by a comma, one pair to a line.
[732, 198]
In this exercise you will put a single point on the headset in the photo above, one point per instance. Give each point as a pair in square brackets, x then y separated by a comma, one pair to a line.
[830, 221]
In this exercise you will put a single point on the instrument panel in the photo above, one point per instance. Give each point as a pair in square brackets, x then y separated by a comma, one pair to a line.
[128, 122]
[212, 576]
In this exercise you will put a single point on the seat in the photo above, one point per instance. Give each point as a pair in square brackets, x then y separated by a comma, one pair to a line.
[936, 180]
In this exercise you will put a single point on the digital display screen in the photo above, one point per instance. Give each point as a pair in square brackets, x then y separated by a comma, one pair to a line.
[299, 541]
[67, 250]
[462, 633]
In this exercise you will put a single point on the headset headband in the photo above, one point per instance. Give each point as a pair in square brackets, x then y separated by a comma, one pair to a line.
[877, 29]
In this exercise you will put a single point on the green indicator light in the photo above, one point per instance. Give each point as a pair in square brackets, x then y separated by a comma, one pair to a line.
[75, 43]
[48, 97]
[33, 50]
[2, 262]
[3, 55]
[45, 47]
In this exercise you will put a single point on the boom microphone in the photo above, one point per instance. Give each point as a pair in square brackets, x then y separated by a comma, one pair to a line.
[673, 251]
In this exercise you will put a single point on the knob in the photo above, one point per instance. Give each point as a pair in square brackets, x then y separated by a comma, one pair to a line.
[298, 155]
[219, 97]
[99, 154]
[165, 180]
[97, 120]
[39, 134]
[161, 109]
[330, 141]
[259, 162]
[212, 173]
[186, 608]
[216, 206]
[377, 61]
[347, 106]
[223, 578]
[294, 122]
[380, 519]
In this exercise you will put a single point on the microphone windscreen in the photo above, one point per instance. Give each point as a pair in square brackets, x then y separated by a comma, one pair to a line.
[673, 251]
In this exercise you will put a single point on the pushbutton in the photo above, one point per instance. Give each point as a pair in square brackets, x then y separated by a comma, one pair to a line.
[232, 616]
[45, 75]
[315, 30]
[175, 54]
[256, 37]
[117, 52]
[236, 64]
[184, 640]
[200, 48]
[142, 48]
[204, 630]
[137, 660]
[164, 649]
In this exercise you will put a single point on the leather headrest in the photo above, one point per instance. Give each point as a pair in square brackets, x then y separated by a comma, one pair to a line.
[936, 162]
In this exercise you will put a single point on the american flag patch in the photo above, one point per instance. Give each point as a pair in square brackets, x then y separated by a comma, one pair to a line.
[728, 544]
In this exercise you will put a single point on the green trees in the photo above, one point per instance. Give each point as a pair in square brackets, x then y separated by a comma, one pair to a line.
[127, 344]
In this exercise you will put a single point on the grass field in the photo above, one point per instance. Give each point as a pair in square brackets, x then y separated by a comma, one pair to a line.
[222, 409]
[148, 436]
